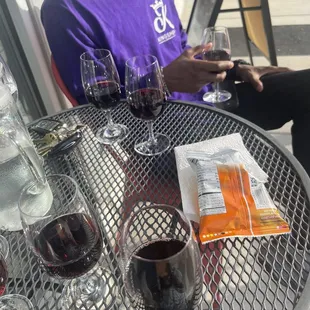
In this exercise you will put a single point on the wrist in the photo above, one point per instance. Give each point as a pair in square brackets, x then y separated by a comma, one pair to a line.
[234, 74]
[241, 68]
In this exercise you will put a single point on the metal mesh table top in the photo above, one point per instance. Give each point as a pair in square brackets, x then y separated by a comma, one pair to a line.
[240, 273]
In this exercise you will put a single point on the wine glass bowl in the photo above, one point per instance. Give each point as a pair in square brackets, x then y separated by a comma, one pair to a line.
[160, 260]
[66, 240]
[146, 101]
[101, 85]
[220, 50]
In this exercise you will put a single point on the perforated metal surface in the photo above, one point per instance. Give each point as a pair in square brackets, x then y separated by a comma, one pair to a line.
[249, 273]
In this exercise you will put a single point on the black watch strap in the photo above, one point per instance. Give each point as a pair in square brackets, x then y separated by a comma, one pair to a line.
[232, 73]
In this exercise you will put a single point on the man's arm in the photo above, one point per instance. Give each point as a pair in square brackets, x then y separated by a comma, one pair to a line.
[232, 73]
[67, 39]
[244, 72]
[188, 75]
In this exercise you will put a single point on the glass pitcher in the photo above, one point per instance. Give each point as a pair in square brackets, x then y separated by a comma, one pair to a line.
[7, 78]
[19, 164]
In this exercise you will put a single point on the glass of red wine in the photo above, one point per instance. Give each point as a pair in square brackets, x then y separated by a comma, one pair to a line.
[160, 260]
[68, 243]
[146, 100]
[220, 50]
[101, 84]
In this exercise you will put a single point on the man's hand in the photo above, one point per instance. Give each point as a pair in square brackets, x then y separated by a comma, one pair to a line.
[252, 74]
[188, 75]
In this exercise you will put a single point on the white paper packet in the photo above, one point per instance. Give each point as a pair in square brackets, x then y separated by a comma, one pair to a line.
[187, 176]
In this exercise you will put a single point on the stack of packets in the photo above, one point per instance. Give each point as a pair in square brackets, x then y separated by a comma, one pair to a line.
[222, 188]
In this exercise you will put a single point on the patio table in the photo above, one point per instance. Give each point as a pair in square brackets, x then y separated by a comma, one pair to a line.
[242, 273]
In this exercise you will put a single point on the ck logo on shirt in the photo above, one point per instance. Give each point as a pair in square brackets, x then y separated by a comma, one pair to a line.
[161, 21]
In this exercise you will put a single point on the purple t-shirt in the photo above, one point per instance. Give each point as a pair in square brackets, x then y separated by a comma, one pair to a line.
[126, 27]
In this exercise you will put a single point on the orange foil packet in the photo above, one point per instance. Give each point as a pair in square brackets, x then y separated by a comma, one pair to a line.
[232, 203]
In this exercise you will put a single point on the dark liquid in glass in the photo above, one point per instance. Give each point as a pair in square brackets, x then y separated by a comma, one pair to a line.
[216, 55]
[166, 284]
[3, 275]
[147, 103]
[104, 95]
[69, 246]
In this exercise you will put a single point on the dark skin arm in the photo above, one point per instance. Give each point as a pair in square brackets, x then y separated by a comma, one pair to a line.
[187, 74]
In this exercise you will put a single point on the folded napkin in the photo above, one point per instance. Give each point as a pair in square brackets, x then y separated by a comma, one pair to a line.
[187, 177]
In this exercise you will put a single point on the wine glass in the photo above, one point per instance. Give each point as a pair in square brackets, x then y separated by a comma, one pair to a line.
[12, 301]
[220, 50]
[101, 84]
[160, 260]
[68, 243]
[146, 99]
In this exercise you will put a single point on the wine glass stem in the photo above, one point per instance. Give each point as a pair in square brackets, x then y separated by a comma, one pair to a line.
[217, 91]
[151, 139]
[88, 285]
[109, 118]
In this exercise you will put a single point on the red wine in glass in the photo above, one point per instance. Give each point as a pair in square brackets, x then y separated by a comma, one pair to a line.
[69, 246]
[101, 85]
[216, 55]
[3, 275]
[161, 285]
[104, 94]
[147, 103]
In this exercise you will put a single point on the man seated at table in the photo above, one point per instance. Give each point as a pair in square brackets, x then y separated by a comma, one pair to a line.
[136, 27]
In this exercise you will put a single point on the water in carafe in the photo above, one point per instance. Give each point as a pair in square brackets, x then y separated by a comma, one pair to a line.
[19, 165]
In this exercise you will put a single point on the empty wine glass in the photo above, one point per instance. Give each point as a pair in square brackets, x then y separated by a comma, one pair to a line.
[101, 84]
[68, 243]
[220, 50]
[160, 260]
[146, 99]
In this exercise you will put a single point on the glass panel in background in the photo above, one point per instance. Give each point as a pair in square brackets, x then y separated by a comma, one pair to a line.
[199, 20]
[30, 103]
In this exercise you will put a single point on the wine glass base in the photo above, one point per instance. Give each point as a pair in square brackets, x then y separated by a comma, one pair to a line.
[112, 134]
[212, 97]
[145, 147]
[95, 290]
[15, 302]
